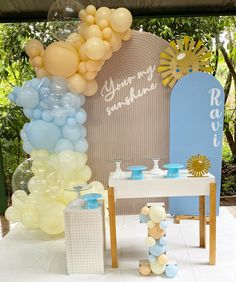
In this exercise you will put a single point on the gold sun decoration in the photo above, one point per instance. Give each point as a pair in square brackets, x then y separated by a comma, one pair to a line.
[198, 165]
[182, 58]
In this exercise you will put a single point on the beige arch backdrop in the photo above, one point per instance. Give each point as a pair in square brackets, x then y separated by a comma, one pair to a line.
[128, 118]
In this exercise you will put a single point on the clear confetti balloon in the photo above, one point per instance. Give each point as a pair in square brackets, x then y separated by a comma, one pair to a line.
[63, 17]
[22, 176]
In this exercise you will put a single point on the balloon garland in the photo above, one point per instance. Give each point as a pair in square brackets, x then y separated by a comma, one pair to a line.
[55, 137]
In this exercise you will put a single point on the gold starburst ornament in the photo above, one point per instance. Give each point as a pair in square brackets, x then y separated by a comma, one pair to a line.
[198, 165]
[181, 58]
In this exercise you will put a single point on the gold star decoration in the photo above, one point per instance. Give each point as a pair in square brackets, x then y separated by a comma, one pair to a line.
[198, 165]
[181, 58]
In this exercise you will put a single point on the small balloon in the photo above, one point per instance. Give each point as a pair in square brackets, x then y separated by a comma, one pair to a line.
[171, 270]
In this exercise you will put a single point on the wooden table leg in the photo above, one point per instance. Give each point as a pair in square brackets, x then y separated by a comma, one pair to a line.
[202, 222]
[212, 251]
[112, 220]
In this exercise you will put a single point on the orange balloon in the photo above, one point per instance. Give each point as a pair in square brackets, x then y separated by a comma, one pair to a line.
[145, 270]
[60, 59]
[156, 232]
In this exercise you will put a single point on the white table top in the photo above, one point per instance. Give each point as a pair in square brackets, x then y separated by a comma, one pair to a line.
[160, 186]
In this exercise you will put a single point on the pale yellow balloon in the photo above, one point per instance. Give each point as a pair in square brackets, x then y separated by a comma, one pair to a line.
[115, 41]
[30, 219]
[93, 31]
[12, 214]
[51, 221]
[95, 48]
[90, 10]
[60, 59]
[18, 204]
[20, 195]
[82, 15]
[103, 13]
[126, 35]
[93, 66]
[76, 40]
[76, 83]
[157, 268]
[107, 55]
[82, 67]
[82, 53]
[42, 154]
[67, 160]
[98, 185]
[149, 241]
[121, 19]
[107, 32]
[107, 45]
[162, 259]
[89, 75]
[85, 173]
[103, 23]
[82, 29]
[91, 88]
[157, 213]
[90, 19]
[33, 48]
[145, 210]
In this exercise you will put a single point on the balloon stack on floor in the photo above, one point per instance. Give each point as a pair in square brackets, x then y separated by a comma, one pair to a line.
[55, 136]
[157, 263]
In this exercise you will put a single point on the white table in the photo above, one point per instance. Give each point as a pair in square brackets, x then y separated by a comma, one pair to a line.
[161, 186]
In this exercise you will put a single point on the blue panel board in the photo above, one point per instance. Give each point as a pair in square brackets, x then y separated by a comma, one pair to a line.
[196, 126]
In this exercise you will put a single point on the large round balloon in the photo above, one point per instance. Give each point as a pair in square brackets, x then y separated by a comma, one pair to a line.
[63, 18]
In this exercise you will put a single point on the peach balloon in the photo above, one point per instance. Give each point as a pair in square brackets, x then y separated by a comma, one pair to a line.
[145, 270]
[76, 40]
[41, 72]
[103, 13]
[93, 31]
[90, 19]
[115, 41]
[121, 19]
[76, 83]
[126, 35]
[89, 75]
[33, 48]
[37, 61]
[162, 259]
[95, 48]
[90, 10]
[93, 66]
[82, 67]
[82, 53]
[91, 88]
[107, 32]
[60, 59]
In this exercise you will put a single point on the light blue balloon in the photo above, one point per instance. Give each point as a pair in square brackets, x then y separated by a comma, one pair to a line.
[45, 81]
[37, 114]
[63, 145]
[27, 84]
[162, 241]
[151, 258]
[82, 100]
[143, 218]
[71, 133]
[27, 147]
[44, 92]
[12, 97]
[26, 127]
[71, 121]
[44, 105]
[35, 82]
[83, 131]
[43, 135]
[23, 135]
[47, 115]
[28, 113]
[58, 86]
[157, 249]
[59, 116]
[163, 225]
[171, 270]
[28, 97]
[69, 100]
[70, 111]
[81, 116]
[81, 146]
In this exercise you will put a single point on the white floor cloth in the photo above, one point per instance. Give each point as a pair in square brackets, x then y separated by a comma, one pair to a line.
[32, 257]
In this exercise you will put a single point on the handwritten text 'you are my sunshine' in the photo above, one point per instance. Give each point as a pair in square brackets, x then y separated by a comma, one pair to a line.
[110, 90]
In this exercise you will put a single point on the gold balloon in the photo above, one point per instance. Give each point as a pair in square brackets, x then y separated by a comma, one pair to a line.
[126, 35]
[90, 10]
[60, 59]
[82, 15]
[82, 53]
[82, 67]
[76, 40]
[90, 19]
[93, 66]
[76, 83]
[103, 24]
[121, 19]
[115, 41]
[37, 61]
[103, 13]
[107, 32]
[95, 48]
[89, 75]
